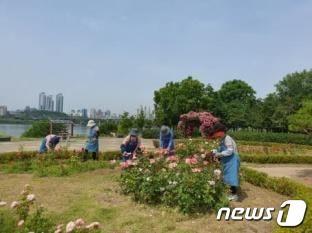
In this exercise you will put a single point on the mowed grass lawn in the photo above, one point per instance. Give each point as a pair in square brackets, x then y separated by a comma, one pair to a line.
[95, 196]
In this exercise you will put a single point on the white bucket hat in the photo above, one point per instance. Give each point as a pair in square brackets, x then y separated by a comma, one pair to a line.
[91, 123]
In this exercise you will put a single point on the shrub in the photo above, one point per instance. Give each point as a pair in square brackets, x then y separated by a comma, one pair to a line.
[272, 137]
[42, 129]
[58, 163]
[187, 181]
[276, 159]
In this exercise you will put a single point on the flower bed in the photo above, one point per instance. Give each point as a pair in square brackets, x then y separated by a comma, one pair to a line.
[190, 181]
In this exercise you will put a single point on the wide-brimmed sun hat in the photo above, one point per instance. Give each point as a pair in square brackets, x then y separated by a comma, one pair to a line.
[91, 123]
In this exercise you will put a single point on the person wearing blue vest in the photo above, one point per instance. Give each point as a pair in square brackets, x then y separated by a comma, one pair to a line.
[166, 140]
[92, 145]
[130, 145]
[49, 143]
[229, 157]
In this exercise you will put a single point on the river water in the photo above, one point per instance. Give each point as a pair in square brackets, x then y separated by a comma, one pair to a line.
[16, 130]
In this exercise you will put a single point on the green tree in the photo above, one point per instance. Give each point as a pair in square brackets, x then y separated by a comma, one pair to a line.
[140, 119]
[294, 89]
[301, 121]
[108, 126]
[288, 98]
[235, 101]
[125, 124]
[273, 114]
[177, 98]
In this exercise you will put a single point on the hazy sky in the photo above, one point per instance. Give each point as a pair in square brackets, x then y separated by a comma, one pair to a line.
[114, 54]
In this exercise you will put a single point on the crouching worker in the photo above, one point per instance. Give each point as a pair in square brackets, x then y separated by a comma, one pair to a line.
[130, 146]
[92, 145]
[49, 143]
[166, 141]
[229, 157]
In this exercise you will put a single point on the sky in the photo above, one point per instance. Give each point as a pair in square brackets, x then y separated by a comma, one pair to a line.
[115, 54]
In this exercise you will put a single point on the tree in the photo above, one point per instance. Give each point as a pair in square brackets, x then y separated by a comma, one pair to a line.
[288, 98]
[301, 121]
[235, 101]
[140, 119]
[108, 126]
[274, 116]
[125, 124]
[294, 89]
[177, 98]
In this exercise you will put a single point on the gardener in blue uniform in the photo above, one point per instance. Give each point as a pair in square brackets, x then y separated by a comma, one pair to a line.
[229, 157]
[49, 143]
[92, 145]
[131, 145]
[166, 141]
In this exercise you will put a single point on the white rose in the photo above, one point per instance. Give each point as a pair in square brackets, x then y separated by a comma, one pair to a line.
[30, 197]
[79, 222]
[211, 182]
[217, 172]
[94, 225]
[70, 227]
[14, 204]
[2, 203]
[20, 223]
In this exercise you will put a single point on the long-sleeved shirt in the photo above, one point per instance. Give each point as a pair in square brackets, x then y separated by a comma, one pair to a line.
[48, 139]
[230, 145]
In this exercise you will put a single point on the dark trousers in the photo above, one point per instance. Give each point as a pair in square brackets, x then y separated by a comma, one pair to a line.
[94, 155]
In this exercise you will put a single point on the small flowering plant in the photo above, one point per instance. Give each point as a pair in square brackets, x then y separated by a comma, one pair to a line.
[30, 217]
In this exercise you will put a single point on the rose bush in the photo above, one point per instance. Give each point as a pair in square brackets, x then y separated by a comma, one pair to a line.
[190, 181]
[192, 120]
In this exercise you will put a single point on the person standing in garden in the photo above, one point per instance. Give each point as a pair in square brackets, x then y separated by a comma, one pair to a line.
[93, 140]
[131, 145]
[166, 140]
[229, 157]
[49, 143]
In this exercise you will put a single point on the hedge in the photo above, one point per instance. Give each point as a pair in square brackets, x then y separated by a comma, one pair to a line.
[302, 139]
[286, 187]
[64, 154]
[276, 159]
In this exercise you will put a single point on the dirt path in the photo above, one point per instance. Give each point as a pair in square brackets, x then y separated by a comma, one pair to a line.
[299, 172]
[95, 196]
[106, 144]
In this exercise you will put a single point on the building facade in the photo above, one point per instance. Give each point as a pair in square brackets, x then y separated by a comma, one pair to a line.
[3, 110]
[59, 102]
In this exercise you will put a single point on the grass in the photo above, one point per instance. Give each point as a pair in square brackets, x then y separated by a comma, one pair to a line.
[95, 196]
